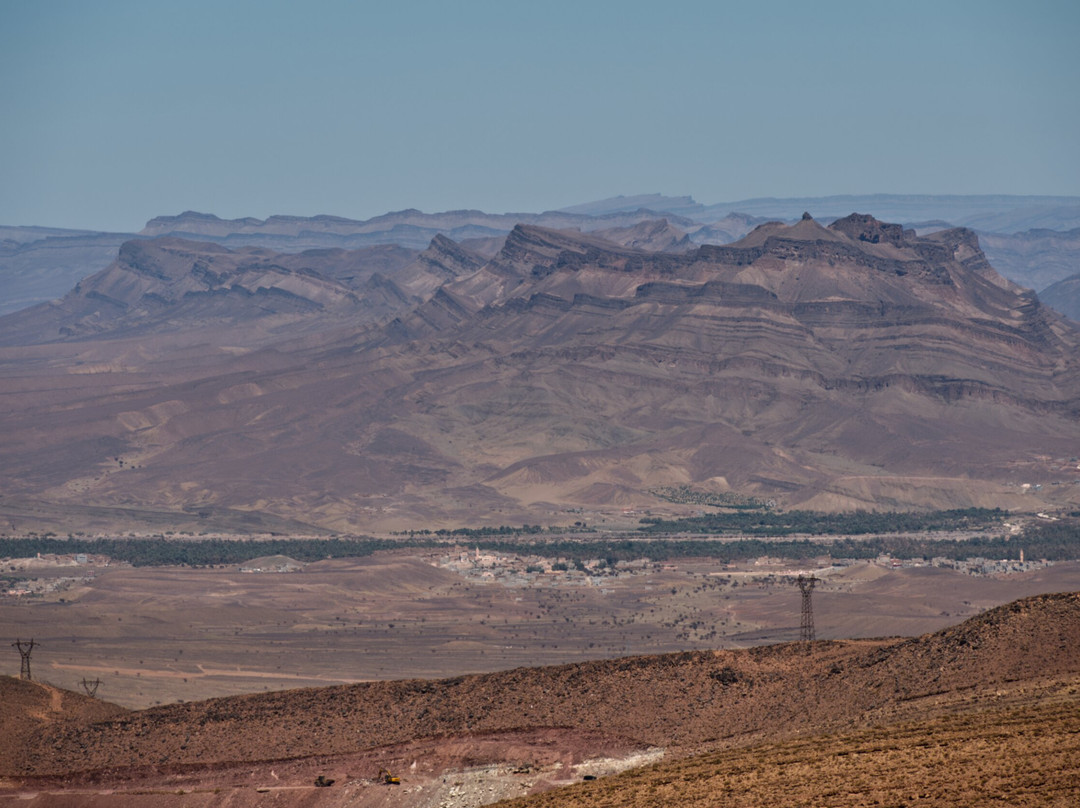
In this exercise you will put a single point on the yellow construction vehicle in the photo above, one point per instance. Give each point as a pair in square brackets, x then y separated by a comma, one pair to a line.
[388, 779]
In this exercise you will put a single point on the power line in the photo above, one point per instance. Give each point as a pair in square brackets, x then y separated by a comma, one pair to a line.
[24, 671]
[806, 629]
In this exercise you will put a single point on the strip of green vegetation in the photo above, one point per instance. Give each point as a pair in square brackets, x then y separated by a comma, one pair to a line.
[1059, 545]
[197, 553]
[813, 523]
[1054, 541]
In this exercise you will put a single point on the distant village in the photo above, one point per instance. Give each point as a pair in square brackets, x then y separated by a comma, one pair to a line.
[48, 573]
[19, 573]
[526, 570]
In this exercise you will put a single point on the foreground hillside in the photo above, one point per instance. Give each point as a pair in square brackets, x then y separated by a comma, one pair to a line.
[1027, 753]
[1023, 654]
[28, 708]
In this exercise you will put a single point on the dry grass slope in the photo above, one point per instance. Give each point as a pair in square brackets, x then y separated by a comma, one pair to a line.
[1017, 757]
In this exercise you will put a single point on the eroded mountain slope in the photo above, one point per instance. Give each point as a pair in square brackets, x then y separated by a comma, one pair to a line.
[851, 366]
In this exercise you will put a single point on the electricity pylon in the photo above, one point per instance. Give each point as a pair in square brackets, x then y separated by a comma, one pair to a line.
[806, 630]
[24, 652]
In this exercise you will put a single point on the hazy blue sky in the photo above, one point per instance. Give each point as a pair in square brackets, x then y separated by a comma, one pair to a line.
[112, 112]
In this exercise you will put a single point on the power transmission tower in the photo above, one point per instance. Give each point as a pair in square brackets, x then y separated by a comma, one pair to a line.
[91, 687]
[806, 631]
[24, 652]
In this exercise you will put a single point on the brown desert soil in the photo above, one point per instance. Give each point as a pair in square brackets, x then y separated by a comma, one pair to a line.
[542, 725]
[1016, 756]
[158, 635]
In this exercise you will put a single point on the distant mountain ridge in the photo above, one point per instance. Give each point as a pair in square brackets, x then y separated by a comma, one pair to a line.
[409, 228]
[1064, 296]
[1004, 213]
[41, 263]
[169, 284]
[991, 213]
[679, 205]
[1036, 259]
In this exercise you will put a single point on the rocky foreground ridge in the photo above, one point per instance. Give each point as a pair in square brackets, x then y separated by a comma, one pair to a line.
[683, 703]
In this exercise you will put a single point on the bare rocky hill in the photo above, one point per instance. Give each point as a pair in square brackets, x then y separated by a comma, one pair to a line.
[682, 703]
[28, 708]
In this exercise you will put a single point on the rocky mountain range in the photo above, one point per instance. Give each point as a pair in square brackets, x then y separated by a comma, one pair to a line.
[854, 365]
[1024, 237]
[171, 285]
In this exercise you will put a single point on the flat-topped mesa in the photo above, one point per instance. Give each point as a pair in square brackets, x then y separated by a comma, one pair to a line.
[856, 240]
[170, 258]
[192, 221]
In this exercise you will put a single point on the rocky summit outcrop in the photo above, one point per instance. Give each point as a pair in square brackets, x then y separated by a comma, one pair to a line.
[856, 365]
[864, 227]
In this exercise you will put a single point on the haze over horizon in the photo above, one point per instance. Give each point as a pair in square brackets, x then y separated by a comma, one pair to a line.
[119, 111]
